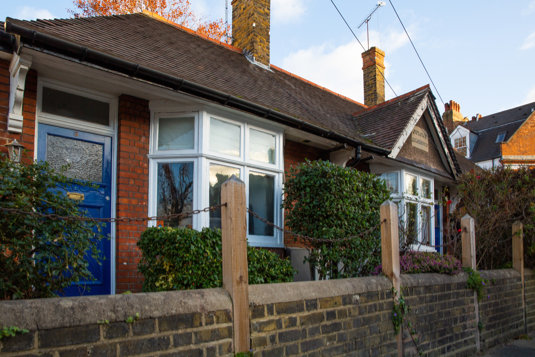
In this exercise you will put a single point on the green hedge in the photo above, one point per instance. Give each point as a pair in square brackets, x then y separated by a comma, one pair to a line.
[183, 258]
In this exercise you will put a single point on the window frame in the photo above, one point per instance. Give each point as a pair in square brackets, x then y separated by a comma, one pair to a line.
[203, 157]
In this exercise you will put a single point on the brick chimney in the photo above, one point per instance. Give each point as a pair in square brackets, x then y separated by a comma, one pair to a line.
[373, 66]
[250, 28]
[452, 116]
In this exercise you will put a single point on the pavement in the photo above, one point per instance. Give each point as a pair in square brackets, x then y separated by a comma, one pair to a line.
[516, 348]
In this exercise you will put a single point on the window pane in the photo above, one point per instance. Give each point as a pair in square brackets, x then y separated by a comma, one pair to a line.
[411, 184]
[225, 138]
[175, 192]
[261, 201]
[262, 146]
[391, 180]
[82, 159]
[218, 175]
[426, 225]
[412, 223]
[75, 106]
[176, 133]
[426, 188]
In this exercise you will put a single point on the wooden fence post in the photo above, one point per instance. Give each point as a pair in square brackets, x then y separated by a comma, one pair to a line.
[235, 272]
[390, 253]
[518, 262]
[468, 237]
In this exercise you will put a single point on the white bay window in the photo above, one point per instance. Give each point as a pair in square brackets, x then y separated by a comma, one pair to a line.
[193, 154]
[415, 204]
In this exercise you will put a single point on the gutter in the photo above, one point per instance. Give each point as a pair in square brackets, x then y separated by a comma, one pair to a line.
[40, 41]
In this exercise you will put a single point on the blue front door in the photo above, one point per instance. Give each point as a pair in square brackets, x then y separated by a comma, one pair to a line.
[438, 224]
[88, 159]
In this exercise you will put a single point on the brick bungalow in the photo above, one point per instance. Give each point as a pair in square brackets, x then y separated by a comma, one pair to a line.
[158, 116]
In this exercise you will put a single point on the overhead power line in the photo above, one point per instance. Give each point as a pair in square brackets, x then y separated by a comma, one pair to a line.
[415, 50]
[361, 45]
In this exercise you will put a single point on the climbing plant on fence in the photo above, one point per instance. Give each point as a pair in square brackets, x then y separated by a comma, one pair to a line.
[496, 199]
[328, 201]
[40, 256]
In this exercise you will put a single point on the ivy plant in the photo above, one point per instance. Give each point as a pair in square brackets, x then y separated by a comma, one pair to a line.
[41, 255]
[330, 202]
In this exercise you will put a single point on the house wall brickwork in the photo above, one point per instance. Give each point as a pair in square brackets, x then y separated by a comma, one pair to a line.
[132, 188]
[520, 148]
[27, 137]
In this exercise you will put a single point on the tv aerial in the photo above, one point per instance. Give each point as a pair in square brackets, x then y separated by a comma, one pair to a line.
[369, 17]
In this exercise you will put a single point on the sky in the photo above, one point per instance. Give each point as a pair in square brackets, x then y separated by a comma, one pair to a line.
[480, 53]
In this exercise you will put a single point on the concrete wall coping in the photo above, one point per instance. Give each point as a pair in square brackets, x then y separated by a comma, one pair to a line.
[75, 311]
[286, 292]
[500, 274]
[426, 279]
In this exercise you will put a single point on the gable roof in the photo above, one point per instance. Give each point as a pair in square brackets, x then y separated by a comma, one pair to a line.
[152, 49]
[175, 51]
[489, 127]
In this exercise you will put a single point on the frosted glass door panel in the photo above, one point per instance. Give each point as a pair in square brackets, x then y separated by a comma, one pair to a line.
[81, 159]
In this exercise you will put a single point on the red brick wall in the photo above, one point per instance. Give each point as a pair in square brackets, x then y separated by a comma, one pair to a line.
[132, 188]
[27, 138]
[295, 153]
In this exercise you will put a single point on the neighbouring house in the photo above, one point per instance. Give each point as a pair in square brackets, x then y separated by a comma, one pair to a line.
[158, 117]
[504, 138]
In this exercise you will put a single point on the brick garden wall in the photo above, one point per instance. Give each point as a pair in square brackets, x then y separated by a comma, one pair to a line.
[182, 323]
[323, 318]
[500, 309]
[336, 317]
[442, 313]
[529, 277]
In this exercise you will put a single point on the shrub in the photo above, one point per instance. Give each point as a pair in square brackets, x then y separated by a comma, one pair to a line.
[496, 199]
[426, 262]
[327, 201]
[40, 256]
[183, 258]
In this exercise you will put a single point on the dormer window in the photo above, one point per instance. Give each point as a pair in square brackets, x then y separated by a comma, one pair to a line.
[501, 137]
[460, 145]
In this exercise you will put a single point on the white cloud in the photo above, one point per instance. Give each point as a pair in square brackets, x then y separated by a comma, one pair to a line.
[340, 68]
[530, 97]
[529, 42]
[32, 13]
[284, 11]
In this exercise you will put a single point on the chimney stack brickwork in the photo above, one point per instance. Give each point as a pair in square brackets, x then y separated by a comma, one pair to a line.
[373, 66]
[250, 27]
[452, 116]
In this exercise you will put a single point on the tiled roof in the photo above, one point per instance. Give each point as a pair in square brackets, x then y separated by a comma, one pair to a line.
[171, 49]
[489, 127]
[383, 124]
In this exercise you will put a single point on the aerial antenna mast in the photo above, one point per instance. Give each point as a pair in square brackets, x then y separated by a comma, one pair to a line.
[226, 21]
[368, 18]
